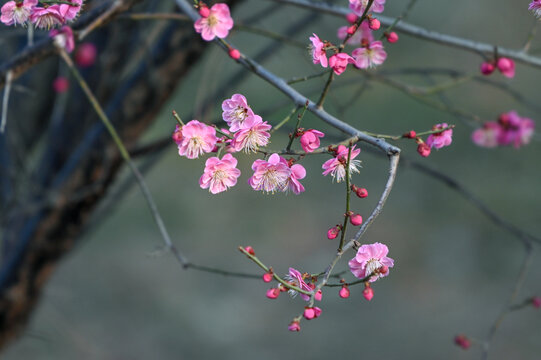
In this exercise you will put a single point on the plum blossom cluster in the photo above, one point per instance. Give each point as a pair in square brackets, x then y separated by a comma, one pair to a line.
[214, 22]
[44, 15]
[441, 135]
[247, 132]
[510, 129]
[369, 54]
[505, 65]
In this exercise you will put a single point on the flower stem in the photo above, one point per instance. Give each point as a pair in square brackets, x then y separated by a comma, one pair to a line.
[126, 156]
[348, 197]
[299, 119]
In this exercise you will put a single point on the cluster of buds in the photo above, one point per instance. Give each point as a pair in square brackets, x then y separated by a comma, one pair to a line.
[505, 65]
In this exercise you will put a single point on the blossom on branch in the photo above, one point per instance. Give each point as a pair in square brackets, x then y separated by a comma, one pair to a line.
[310, 140]
[371, 259]
[63, 38]
[70, 12]
[270, 176]
[319, 56]
[510, 129]
[216, 24]
[253, 134]
[337, 165]
[369, 56]
[295, 278]
[197, 138]
[535, 7]
[14, 13]
[358, 6]
[339, 62]
[236, 112]
[440, 139]
[219, 175]
[46, 18]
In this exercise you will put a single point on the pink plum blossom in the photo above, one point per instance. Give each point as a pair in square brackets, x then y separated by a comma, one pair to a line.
[14, 13]
[197, 138]
[46, 18]
[217, 24]
[270, 176]
[358, 6]
[254, 134]
[441, 139]
[310, 140]
[319, 56]
[339, 62]
[219, 175]
[515, 130]
[298, 172]
[535, 7]
[63, 38]
[295, 277]
[369, 56]
[488, 135]
[236, 111]
[337, 165]
[70, 12]
[371, 259]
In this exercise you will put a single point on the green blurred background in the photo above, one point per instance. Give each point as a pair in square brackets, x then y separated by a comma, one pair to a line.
[117, 296]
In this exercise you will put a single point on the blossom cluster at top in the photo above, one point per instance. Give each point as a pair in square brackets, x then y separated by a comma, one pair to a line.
[370, 53]
[510, 129]
[43, 16]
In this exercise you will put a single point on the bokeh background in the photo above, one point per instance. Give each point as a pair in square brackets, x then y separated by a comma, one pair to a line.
[118, 295]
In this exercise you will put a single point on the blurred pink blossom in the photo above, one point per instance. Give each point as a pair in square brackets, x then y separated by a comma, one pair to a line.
[217, 24]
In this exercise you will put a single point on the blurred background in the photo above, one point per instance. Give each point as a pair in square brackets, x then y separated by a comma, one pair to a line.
[119, 295]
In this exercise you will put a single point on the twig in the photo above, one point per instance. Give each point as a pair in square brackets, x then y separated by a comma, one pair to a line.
[508, 307]
[126, 156]
[5, 101]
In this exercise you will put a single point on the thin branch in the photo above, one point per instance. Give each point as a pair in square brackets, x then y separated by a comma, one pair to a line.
[417, 31]
[5, 101]
[126, 156]
[509, 305]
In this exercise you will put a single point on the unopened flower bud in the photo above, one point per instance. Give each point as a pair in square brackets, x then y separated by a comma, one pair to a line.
[234, 54]
[462, 341]
[356, 220]
[333, 232]
[361, 192]
[351, 18]
[536, 302]
[368, 293]
[273, 293]
[317, 311]
[267, 277]
[250, 250]
[383, 270]
[392, 37]
[309, 313]
[423, 149]
[351, 30]
[487, 68]
[294, 326]
[204, 11]
[318, 295]
[410, 135]
[344, 292]
[374, 24]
